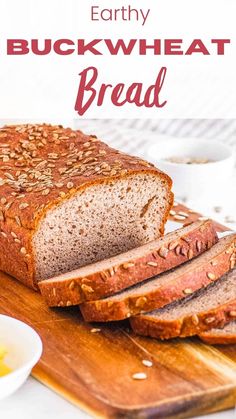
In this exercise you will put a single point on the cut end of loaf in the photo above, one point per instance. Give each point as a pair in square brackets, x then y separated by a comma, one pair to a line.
[100, 221]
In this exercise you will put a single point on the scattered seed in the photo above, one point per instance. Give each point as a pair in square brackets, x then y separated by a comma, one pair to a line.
[232, 263]
[147, 363]
[163, 252]
[1, 216]
[199, 245]
[179, 217]
[87, 288]
[104, 275]
[128, 265]
[184, 214]
[23, 205]
[18, 220]
[72, 285]
[173, 245]
[70, 185]
[23, 250]
[111, 271]
[214, 263]
[140, 301]
[211, 275]
[172, 212]
[152, 264]
[188, 291]
[190, 254]
[195, 319]
[95, 330]
[209, 320]
[139, 376]
[177, 250]
[46, 191]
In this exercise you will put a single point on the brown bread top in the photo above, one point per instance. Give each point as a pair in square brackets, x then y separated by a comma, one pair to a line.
[208, 308]
[224, 336]
[166, 288]
[41, 166]
[112, 275]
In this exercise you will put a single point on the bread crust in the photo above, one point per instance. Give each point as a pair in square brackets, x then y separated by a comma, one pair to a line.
[213, 338]
[158, 297]
[33, 151]
[75, 290]
[186, 326]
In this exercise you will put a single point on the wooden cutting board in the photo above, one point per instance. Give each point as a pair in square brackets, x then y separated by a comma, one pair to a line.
[94, 370]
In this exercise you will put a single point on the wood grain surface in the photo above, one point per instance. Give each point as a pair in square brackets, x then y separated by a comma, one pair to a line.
[94, 370]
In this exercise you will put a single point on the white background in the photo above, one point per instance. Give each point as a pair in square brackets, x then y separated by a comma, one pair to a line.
[35, 401]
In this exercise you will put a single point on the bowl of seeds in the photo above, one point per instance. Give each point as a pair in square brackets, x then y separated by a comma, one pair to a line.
[196, 166]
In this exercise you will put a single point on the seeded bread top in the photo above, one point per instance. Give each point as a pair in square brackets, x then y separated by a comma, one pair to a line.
[42, 165]
[150, 285]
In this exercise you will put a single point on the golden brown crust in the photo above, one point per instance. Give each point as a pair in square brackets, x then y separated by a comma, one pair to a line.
[41, 166]
[157, 297]
[186, 326]
[214, 339]
[77, 289]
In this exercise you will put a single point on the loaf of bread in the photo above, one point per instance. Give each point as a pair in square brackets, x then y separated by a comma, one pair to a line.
[109, 276]
[166, 288]
[224, 336]
[67, 199]
[208, 308]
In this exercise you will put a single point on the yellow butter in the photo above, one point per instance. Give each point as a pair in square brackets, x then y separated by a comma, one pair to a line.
[3, 352]
[3, 368]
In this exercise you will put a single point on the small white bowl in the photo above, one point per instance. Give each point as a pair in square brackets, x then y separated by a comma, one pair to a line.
[191, 180]
[24, 349]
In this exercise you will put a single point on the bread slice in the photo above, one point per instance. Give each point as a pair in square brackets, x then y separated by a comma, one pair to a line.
[112, 275]
[68, 199]
[168, 287]
[208, 308]
[224, 336]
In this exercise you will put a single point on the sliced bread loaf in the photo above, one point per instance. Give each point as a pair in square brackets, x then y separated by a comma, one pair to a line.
[224, 336]
[112, 275]
[68, 200]
[208, 308]
[168, 287]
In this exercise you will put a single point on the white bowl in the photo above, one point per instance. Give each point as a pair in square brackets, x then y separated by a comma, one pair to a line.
[191, 180]
[24, 348]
